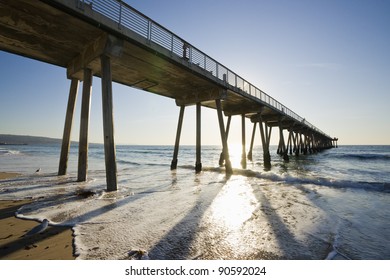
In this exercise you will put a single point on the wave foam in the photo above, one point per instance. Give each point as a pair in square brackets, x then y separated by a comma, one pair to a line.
[312, 180]
[10, 152]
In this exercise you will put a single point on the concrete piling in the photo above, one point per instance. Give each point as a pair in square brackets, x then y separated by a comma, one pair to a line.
[198, 163]
[250, 155]
[243, 154]
[177, 141]
[265, 140]
[84, 123]
[108, 124]
[225, 149]
[282, 143]
[63, 165]
[222, 155]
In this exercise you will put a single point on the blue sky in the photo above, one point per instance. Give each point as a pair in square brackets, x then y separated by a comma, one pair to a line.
[329, 61]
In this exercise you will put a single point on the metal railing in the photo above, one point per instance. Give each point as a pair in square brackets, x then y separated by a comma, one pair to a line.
[127, 17]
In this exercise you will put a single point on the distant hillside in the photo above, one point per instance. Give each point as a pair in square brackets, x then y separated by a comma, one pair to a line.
[6, 139]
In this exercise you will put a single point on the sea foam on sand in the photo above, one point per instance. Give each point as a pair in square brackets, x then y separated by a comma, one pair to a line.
[179, 215]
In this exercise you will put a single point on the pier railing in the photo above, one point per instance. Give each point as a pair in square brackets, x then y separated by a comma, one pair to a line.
[127, 17]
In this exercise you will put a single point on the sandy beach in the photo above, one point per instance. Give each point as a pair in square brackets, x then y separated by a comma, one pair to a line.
[55, 243]
[8, 175]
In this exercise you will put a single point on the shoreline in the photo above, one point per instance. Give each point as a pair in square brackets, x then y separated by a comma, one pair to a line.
[55, 243]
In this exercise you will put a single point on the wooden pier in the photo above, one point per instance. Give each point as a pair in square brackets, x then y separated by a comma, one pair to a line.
[113, 41]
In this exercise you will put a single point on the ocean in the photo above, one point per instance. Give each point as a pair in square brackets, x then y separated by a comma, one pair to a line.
[331, 205]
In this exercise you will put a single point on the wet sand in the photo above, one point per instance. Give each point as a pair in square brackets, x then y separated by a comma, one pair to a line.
[55, 243]
[8, 175]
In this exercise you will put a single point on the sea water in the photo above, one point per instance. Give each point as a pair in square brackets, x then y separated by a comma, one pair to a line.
[330, 205]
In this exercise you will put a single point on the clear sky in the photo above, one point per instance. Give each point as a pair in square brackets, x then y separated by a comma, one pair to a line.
[329, 61]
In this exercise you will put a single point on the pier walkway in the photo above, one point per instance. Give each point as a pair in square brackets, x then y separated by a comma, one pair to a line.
[112, 40]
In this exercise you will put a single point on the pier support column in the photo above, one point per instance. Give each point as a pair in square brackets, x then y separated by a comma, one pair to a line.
[243, 154]
[225, 149]
[222, 156]
[279, 149]
[334, 143]
[289, 142]
[177, 142]
[250, 156]
[296, 144]
[302, 137]
[108, 124]
[314, 144]
[265, 140]
[198, 164]
[74, 87]
[310, 144]
[268, 131]
[84, 123]
[305, 145]
[282, 144]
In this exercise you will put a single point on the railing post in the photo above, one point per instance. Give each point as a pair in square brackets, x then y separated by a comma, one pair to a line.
[227, 76]
[120, 14]
[149, 30]
[172, 44]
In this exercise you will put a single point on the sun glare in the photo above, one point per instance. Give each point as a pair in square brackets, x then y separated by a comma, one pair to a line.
[234, 204]
[235, 154]
[230, 211]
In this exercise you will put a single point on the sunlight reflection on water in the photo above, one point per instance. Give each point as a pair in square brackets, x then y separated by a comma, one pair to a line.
[234, 204]
[228, 213]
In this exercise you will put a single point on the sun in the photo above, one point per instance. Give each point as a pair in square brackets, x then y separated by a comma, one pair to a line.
[235, 154]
